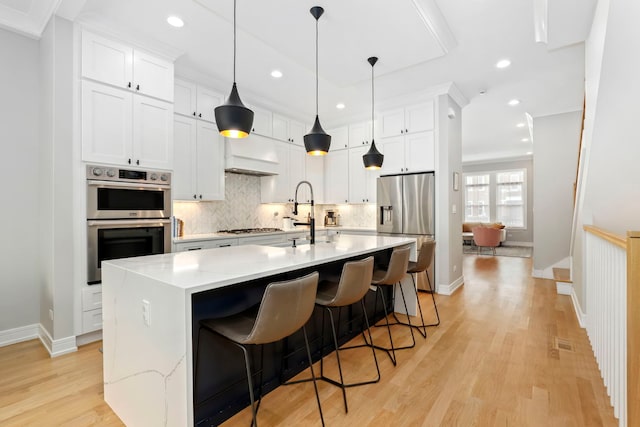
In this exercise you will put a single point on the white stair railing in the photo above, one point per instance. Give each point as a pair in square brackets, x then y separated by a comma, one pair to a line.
[605, 258]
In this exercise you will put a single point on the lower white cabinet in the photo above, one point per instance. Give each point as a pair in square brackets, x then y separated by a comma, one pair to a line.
[198, 160]
[122, 128]
[362, 182]
[336, 177]
[91, 308]
[204, 244]
[409, 153]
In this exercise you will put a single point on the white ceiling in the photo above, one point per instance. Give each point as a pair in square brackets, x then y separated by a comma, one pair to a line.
[421, 44]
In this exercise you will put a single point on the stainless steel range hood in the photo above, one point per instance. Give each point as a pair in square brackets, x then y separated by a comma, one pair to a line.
[254, 155]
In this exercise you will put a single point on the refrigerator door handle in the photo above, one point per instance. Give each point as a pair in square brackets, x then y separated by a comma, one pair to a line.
[385, 214]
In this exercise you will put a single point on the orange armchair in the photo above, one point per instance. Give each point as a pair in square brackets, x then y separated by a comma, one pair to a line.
[486, 237]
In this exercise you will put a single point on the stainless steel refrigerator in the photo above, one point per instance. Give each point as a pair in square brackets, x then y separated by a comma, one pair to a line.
[406, 206]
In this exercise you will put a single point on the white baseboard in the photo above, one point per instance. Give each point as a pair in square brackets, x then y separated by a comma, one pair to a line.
[547, 273]
[512, 243]
[582, 317]
[450, 288]
[89, 337]
[57, 347]
[16, 335]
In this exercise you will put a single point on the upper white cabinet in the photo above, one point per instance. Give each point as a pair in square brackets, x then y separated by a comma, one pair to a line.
[262, 121]
[122, 66]
[408, 153]
[336, 177]
[362, 182]
[339, 138]
[314, 173]
[281, 188]
[417, 118]
[287, 130]
[360, 134]
[196, 101]
[123, 128]
[198, 161]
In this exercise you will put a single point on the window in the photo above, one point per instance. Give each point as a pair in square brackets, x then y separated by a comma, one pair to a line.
[498, 196]
[477, 198]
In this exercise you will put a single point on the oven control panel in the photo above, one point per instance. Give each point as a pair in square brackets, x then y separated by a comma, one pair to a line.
[106, 173]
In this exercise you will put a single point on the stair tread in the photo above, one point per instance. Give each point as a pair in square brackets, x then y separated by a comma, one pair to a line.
[562, 275]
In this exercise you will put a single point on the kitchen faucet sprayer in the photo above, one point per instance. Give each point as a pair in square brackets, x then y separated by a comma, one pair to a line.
[312, 221]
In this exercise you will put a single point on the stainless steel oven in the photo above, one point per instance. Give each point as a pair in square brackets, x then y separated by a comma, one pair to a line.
[128, 214]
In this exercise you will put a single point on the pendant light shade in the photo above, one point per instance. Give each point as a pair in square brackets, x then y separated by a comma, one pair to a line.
[373, 158]
[317, 141]
[234, 120]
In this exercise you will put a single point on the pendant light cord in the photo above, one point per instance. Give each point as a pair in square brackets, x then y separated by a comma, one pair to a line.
[372, 102]
[316, 67]
[234, 41]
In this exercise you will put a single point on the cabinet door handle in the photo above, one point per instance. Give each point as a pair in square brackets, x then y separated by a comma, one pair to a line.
[194, 196]
[406, 131]
[201, 197]
[200, 115]
[129, 161]
[129, 85]
[401, 131]
[194, 114]
[137, 87]
[253, 129]
[138, 162]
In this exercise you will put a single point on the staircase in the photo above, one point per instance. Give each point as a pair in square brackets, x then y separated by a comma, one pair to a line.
[562, 277]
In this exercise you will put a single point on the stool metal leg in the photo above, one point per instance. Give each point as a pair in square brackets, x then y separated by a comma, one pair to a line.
[313, 376]
[254, 412]
[433, 291]
[421, 328]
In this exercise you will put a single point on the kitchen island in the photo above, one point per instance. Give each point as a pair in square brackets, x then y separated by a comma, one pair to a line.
[152, 306]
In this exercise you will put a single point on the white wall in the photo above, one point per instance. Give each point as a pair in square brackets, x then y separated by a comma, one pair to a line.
[448, 224]
[19, 86]
[58, 223]
[513, 235]
[556, 140]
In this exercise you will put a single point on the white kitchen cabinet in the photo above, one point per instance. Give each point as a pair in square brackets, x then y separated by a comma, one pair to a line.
[339, 138]
[413, 119]
[198, 161]
[91, 308]
[120, 65]
[362, 182]
[196, 101]
[152, 133]
[359, 134]
[204, 244]
[408, 153]
[287, 130]
[122, 128]
[281, 188]
[314, 173]
[262, 121]
[336, 177]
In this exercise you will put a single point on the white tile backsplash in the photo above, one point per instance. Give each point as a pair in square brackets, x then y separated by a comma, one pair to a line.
[242, 209]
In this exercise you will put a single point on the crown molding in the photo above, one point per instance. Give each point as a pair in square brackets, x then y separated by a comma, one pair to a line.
[435, 22]
[32, 23]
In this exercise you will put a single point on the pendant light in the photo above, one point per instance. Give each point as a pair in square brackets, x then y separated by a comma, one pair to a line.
[234, 120]
[373, 158]
[317, 142]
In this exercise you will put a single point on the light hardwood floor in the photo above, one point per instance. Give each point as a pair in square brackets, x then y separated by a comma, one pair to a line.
[509, 352]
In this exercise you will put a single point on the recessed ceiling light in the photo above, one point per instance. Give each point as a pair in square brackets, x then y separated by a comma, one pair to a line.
[174, 21]
[520, 125]
[529, 153]
[276, 74]
[514, 102]
[503, 63]
[340, 106]
[525, 140]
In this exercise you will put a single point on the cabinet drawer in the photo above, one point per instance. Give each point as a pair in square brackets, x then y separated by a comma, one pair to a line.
[91, 297]
[91, 320]
[223, 243]
[262, 240]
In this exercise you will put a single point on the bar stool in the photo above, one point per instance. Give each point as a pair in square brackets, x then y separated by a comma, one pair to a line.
[353, 286]
[285, 308]
[393, 275]
[425, 258]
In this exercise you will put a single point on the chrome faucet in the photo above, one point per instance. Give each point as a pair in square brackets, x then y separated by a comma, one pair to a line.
[312, 221]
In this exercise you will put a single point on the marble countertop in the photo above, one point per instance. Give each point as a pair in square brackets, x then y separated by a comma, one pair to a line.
[218, 236]
[195, 271]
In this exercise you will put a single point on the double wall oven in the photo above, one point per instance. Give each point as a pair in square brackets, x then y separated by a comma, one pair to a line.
[128, 214]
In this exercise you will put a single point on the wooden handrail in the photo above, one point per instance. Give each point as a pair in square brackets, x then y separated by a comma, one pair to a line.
[607, 235]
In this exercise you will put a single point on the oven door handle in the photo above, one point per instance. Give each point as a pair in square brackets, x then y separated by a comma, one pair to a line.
[129, 185]
[123, 223]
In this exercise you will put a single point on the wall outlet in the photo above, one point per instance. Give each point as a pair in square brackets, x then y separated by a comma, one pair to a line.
[455, 268]
[454, 209]
[50, 314]
[146, 312]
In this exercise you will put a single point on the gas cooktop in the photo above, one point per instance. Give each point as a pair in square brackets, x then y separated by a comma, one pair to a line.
[250, 230]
